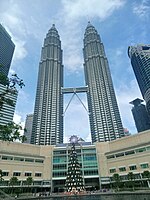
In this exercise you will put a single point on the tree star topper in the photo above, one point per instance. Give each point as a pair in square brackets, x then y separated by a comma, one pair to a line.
[73, 139]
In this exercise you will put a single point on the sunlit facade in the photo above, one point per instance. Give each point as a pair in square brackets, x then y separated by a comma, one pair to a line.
[105, 121]
[48, 112]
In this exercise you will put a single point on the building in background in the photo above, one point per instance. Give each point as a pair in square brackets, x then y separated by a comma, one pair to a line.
[140, 115]
[6, 51]
[28, 128]
[140, 60]
[48, 112]
[105, 121]
[7, 110]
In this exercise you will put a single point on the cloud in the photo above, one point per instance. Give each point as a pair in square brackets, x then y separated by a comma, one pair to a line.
[12, 19]
[70, 18]
[142, 9]
[18, 120]
[74, 10]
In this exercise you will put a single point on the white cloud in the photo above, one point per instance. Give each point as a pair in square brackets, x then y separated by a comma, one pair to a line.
[12, 19]
[17, 118]
[142, 9]
[70, 19]
[74, 10]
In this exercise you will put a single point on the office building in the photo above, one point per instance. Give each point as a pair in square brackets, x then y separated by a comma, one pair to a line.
[48, 164]
[6, 51]
[28, 128]
[140, 115]
[48, 112]
[140, 60]
[104, 116]
[7, 110]
[105, 121]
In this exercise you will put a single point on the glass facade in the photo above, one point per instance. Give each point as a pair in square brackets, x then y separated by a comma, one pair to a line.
[140, 115]
[87, 160]
[140, 60]
[105, 121]
[6, 51]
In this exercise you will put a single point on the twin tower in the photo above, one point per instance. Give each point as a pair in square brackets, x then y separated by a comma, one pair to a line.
[104, 117]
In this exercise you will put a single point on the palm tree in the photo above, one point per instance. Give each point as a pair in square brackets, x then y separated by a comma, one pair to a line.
[29, 181]
[13, 181]
[146, 174]
[117, 180]
[131, 178]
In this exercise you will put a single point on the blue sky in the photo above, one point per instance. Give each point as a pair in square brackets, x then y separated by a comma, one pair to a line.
[120, 23]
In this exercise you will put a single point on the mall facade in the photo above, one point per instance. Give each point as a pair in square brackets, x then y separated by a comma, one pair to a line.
[47, 165]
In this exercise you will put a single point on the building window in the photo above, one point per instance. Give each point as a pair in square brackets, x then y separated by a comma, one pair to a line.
[17, 174]
[39, 161]
[112, 170]
[119, 155]
[111, 156]
[29, 160]
[38, 174]
[5, 173]
[122, 169]
[7, 158]
[133, 167]
[91, 172]
[140, 150]
[144, 165]
[28, 174]
[18, 159]
[130, 152]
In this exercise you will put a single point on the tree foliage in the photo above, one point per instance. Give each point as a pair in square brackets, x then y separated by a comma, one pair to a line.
[146, 174]
[11, 132]
[13, 181]
[117, 180]
[29, 180]
[1, 176]
[131, 178]
[10, 84]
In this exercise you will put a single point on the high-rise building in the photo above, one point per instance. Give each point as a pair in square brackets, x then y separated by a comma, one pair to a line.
[140, 115]
[7, 110]
[104, 114]
[105, 121]
[6, 51]
[28, 128]
[140, 60]
[48, 112]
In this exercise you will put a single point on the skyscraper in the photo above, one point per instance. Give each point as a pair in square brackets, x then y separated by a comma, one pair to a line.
[6, 51]
[140, 60]
[105, 121]
[140, 115]
[28, 128]
[48, 112]
[7, 110]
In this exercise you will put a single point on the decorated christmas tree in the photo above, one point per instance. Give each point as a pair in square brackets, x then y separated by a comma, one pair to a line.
[74, 180]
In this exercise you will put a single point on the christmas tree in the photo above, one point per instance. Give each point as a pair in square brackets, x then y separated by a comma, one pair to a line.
[74, 180]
